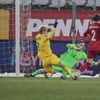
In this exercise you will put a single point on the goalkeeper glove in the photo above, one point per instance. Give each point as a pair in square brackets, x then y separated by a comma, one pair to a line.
[55, 24]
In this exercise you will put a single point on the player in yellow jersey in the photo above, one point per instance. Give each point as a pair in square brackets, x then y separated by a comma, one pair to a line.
[45, 53]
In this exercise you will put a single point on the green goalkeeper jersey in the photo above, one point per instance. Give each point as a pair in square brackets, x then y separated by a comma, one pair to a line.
[70, 57]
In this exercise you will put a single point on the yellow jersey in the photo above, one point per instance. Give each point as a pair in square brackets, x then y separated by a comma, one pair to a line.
[43, 44]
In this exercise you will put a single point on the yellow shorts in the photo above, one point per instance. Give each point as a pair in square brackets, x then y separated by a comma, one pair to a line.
[49, 61]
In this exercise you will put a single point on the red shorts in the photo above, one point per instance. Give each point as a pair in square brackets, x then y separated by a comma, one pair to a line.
[93, 49]
[94, 46]
[92, 54]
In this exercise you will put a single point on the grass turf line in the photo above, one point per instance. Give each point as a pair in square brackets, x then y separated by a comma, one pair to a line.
[49, 89]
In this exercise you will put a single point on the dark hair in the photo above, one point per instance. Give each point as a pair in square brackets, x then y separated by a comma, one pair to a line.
[80, 40]
[96, 17]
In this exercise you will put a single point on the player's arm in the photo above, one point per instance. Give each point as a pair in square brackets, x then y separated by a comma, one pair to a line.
[87, 34]
[79, 48]
[70, 46]
[73, 46]
[52, 31]
[51, 34]
[84, 56]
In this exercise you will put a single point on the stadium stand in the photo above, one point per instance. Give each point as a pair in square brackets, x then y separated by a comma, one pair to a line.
[80, 2]
[6, 1]
[98, 3]
[56, 4]
[40, 2]
[90, 2]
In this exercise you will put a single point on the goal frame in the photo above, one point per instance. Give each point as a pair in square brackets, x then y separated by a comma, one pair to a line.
[17, 37]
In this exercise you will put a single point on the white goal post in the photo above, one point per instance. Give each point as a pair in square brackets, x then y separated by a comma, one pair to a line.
[17, 36]
[19, 5]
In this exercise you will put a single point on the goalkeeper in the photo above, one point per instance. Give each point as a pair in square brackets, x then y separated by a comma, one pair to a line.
[74, 54]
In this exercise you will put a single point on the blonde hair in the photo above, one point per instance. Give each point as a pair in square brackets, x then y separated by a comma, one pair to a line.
[42, 28]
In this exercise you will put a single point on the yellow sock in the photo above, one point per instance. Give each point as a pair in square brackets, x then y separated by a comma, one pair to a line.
[68, 71]
[49, 75]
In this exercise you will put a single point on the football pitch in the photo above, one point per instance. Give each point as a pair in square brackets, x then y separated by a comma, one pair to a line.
[49, 89]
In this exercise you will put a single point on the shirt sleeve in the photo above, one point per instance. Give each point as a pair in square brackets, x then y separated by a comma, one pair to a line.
[84, 56]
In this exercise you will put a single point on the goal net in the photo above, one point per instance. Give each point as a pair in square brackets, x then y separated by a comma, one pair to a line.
[13, 37]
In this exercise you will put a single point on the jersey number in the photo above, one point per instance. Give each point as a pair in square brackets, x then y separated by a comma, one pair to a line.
[93, 35]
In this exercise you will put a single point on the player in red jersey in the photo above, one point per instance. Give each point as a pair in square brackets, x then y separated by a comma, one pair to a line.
[93, 33]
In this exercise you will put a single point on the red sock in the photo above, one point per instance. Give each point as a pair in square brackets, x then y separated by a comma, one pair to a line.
[85, 66]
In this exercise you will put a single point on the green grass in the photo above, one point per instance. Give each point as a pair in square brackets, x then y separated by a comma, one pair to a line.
[52, 89]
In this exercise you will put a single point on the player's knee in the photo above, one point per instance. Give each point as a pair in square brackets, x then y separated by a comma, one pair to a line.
[61, 65]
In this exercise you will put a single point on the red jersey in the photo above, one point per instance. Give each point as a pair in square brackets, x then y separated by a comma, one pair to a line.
[93, 33]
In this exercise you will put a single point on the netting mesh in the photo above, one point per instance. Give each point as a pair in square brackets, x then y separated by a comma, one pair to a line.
[26, 42]
[7, 45]
[7, 37]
